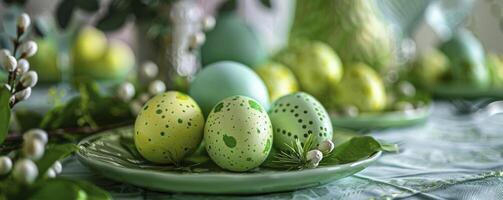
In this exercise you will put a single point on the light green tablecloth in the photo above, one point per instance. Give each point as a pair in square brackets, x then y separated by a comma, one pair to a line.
[449, 157]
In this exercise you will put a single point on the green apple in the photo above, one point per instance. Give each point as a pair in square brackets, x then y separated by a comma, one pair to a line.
[361, 86]
[115, 63]
[90, 45]
[467, 58]
[495, 65]
[315, 65]
[45, 61]
[278, 79]
[430, 68]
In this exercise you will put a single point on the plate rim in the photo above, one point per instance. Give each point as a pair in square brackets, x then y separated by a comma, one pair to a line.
[212, 177]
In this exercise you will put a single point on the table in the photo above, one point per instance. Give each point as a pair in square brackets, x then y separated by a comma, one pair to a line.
[451, 156]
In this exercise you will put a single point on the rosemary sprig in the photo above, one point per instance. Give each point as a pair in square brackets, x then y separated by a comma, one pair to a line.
[294, 158]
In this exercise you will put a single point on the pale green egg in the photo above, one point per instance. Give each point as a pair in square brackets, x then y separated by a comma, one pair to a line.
[296, 117]
[238, 134]
[168, 128]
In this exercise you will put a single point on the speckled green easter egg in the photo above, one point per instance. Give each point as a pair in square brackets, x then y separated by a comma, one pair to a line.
[279, 79]
[296, 116]
[238, 134]
[169, 127]
[224, 79]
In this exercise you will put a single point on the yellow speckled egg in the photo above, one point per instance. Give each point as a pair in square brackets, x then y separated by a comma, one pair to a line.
[168, 128]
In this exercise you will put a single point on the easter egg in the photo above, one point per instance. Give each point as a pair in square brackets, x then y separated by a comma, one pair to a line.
[238, 134]
[362, 87]
[232, 39]
[168, 128]
[297, 116]
[278, 79]
[224, 79]
[45, 61]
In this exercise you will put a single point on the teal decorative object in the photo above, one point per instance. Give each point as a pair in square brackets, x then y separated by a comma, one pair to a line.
[232, 40]
[224, 79]
[106, 154]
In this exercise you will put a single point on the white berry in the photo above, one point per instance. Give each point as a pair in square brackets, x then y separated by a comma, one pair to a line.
[5, 165]
[326, 146]
[38, 134]
[126, 91]
[25, 171]
[33, 149]
[157, 87]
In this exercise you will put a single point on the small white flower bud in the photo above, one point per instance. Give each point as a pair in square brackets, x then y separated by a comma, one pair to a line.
[144, 98]
[407, 89]
[209, 23]
[25, 171]
[3, 54]
[50, 173]
[28, 49]
[29, 79]
[5, 165]
[23, 94]
[37, 134]
[10, 63]
[23, 66]
[350, 110]
[125, 91]
[326, 146]
[57, 167]
[149, 69]
[405, 107]
[135, 107]
[197, 39]
[156, 87]
[33, 149]
[314, 157]
[23, 21]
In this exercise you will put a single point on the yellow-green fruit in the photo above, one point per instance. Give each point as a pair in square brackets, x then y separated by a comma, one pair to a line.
[430, 68]
[89, 45]
[45, 61]
[362, 87]
[495, 65]
[279, 80]
[168, 128]
[315, 65]
[116, 62]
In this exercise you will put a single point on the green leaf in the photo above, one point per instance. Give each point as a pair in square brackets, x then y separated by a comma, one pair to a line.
[52, 154]
[357, 148]
[4, 113]
[58, 189]
[116, 16]
[88, 5]
[64, 12]
[68, 189]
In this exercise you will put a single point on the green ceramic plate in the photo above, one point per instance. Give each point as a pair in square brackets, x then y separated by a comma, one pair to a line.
[106, 154]
[389, 119]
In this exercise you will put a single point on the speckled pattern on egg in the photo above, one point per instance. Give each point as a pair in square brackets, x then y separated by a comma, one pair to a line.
[238, 134]
[169, 127]
[296, 116]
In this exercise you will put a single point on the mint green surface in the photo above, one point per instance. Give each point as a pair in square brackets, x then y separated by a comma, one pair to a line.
[104, 154]
[385, 119]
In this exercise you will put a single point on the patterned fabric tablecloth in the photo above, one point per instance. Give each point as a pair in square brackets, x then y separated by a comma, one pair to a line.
[449, 157]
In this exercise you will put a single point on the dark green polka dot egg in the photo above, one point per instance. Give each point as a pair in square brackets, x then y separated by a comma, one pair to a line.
[238, 134]
[296, 116]
[169, 127]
